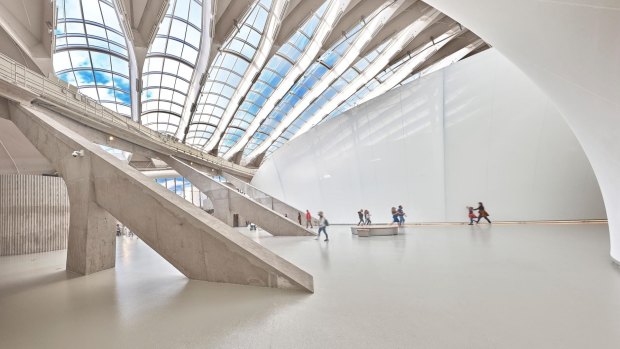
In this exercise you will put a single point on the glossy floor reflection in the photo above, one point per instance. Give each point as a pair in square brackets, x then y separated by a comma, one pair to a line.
[518, 286]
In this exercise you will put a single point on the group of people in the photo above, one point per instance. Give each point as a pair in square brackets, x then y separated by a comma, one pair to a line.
[364, 216]
[482, 213]
[398, 215]
[308, 219]
[323, 223]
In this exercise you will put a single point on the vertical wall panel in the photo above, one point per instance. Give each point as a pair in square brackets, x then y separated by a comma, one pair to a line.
[34, 214]
[479, 130]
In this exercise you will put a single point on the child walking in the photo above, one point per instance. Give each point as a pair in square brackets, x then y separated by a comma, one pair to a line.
[471, 215]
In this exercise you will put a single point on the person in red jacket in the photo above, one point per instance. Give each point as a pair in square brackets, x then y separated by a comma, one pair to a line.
[308, 219]
[471, 215]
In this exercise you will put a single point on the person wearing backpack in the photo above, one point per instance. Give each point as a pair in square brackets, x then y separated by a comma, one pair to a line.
[323, 223]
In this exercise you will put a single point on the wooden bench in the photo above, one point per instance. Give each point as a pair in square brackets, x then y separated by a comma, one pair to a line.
[377, 230]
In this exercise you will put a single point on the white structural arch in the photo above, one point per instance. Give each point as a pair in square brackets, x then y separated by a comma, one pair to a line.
[589, 99]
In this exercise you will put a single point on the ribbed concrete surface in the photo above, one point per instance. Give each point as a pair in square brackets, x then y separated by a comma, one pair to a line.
[34, 214]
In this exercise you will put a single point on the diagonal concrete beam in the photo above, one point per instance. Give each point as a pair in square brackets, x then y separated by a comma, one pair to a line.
[198, 245]
[228, 202]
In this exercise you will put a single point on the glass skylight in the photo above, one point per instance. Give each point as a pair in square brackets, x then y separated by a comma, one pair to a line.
[312, 75]
[252, 96]
[169, 66]
[335, 88]
[91, 52]
[226, 72]
[270, 78]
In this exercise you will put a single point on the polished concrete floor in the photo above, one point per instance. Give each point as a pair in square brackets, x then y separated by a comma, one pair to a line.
[513, 286]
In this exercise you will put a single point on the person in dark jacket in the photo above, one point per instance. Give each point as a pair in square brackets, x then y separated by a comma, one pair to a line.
[360, 214]
[482, 213]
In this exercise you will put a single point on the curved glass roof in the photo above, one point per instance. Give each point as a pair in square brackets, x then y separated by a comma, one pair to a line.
[91, 52]
[258, 90]
[226, 73]
[333, 90]
[312, 75]
[169, 66]
[270, 78]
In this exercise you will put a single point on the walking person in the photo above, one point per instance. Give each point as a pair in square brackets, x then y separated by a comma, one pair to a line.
[323, 223]
[401, 215]
[482, 213]
[299, 217]
[367, 217]
[471, 215]
[360, 214]
[308, 219]
[395, 218]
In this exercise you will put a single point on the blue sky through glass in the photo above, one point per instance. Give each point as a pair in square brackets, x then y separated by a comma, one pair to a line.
[169, 66]
[91, 52]
[270, 78]
[226, 73]
[312, 75]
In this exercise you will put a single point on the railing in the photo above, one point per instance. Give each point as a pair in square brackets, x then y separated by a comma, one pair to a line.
[59, 93]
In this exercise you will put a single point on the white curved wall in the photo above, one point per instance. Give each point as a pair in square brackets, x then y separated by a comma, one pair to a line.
[479, 130]
[571, 50]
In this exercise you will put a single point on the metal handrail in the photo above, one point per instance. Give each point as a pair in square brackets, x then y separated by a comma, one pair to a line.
[60, 93]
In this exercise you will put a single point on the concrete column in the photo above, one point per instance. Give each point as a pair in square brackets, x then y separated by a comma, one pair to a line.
[92, 243]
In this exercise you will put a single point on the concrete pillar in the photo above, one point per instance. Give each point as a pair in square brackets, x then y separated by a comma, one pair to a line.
[91, 242]
[91, 245]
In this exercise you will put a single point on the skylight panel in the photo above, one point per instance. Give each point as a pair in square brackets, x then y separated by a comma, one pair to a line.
[169, 66]
[313, 74]
[229, 68]
[275, 71]
[91, 52]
